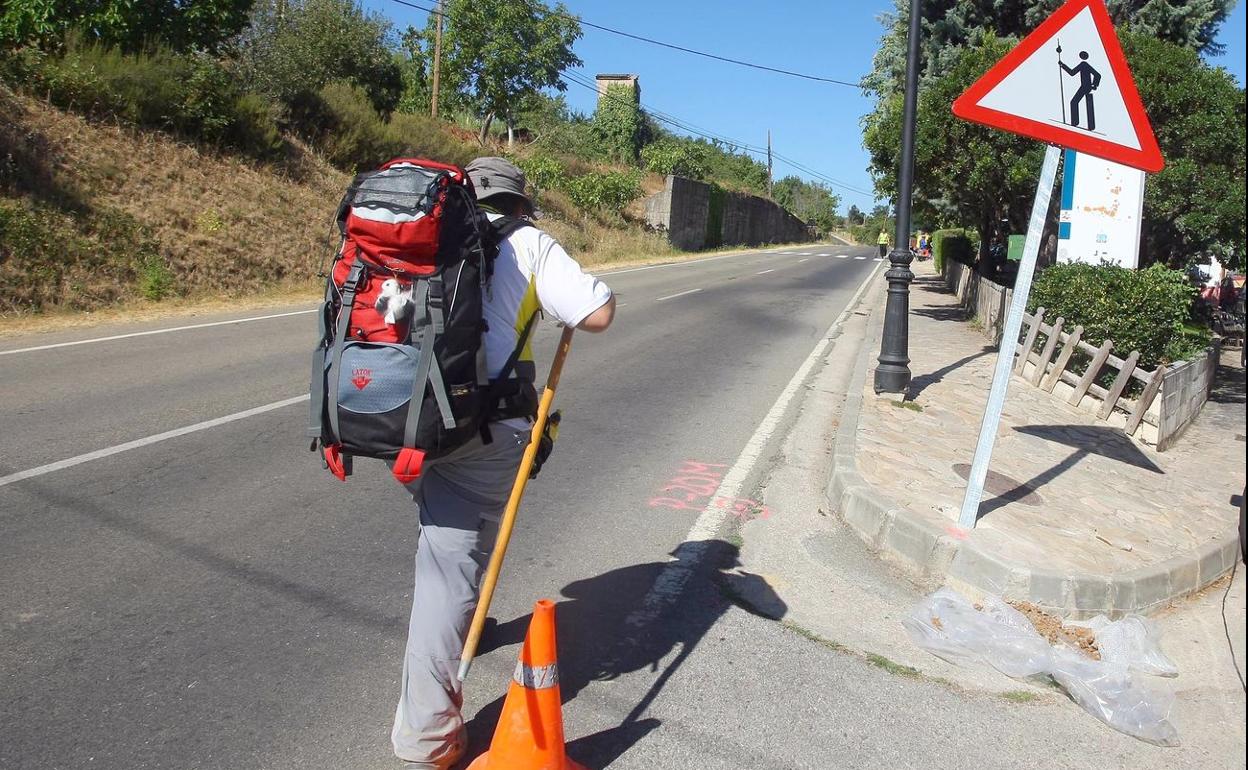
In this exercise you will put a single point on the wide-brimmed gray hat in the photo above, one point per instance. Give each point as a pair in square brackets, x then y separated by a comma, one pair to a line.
[497, 176]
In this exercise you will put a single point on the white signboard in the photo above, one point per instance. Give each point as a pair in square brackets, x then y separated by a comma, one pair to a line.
[1102, 203]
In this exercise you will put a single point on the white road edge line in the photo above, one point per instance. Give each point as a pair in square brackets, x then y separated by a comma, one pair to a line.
[765, 272]
[685, 263]
[671, 581]
[156, 331]
[99, 454]
[674, 296]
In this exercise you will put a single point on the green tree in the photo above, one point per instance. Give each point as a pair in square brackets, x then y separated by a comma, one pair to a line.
[964, 173]
[950, 25]
[131, 25]
[809, 202]
[293, 48]
[855, 216]
[967, 174]
[1195, 205]
[497, 55]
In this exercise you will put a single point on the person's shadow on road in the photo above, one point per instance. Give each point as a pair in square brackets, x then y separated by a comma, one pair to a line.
[615, 624]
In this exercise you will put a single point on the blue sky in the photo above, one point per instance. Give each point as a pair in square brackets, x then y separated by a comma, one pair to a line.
[816, 124]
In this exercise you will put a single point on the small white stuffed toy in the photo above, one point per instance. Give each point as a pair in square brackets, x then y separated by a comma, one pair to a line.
[395, 301]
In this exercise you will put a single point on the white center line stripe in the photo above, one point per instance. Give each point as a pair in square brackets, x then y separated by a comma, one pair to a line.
[674, 296]
[765, 272]
[156, 331]
[842, 256]
[859, 257]
[802, 260]
[98, 454]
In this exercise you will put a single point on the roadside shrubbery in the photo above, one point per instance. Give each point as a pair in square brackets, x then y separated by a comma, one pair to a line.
[353, 136]
[1142, 310]
[604, 191]
[190, 95]
[954, 244]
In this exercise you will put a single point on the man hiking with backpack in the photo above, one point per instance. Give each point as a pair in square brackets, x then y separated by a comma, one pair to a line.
[424, 361]
[460, 497]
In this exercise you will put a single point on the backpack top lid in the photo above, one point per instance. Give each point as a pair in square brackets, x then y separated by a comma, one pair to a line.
[392, 216]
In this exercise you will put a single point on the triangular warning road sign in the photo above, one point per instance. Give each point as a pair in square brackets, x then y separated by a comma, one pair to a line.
[1067, 83]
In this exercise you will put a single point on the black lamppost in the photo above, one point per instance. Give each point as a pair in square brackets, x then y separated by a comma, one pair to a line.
[893, 373]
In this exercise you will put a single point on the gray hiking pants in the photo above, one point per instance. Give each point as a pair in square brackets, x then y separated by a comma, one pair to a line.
[460, 499]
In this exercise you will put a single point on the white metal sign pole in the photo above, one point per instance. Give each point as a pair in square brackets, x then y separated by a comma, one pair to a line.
[1009, 340]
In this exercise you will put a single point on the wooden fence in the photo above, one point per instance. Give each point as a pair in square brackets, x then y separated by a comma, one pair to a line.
[1170, 397]
[1051, 365]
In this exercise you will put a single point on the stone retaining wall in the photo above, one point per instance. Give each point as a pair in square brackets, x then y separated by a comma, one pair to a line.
[695, 215]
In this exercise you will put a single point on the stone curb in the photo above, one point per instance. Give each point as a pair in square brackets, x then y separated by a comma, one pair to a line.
[934, 556]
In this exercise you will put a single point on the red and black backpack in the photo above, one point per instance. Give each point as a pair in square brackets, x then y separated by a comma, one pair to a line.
[399, 371]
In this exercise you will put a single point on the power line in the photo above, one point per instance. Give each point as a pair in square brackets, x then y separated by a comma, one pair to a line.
[684, 125]
[674, 47]
[679, 123]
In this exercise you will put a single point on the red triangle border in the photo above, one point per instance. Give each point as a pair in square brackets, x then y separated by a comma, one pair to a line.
[967, 107]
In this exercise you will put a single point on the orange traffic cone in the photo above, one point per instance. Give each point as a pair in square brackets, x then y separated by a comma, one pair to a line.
[529, 735]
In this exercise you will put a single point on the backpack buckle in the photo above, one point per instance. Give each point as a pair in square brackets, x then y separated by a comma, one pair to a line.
[407, 465]
[337, 463]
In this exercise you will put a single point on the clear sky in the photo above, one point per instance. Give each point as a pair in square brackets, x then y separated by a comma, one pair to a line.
[815, 124]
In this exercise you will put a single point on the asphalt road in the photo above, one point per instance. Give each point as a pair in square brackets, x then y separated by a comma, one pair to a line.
[216, 600]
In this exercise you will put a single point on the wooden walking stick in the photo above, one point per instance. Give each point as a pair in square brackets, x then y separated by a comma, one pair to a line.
[513, 505]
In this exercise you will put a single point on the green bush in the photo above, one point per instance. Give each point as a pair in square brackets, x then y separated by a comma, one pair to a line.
[192, 96]
[681, 158]
[1142, 310]
[294, 48]
[353, 135]
[952, 244]
[604, 191]
[543, 172]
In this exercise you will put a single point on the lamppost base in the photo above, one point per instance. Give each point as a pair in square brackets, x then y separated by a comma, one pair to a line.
[893, 373]
[892, 378]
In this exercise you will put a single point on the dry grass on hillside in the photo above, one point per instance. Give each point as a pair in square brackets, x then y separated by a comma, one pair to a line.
[105, 207]
[221, 224]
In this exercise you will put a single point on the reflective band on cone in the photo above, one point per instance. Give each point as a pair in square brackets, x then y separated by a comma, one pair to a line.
[536, 677]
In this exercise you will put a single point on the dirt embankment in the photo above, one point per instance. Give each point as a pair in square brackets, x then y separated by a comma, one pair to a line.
[96, 216]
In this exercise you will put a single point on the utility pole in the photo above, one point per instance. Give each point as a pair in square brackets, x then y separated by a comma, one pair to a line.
[437, 61]
[893, 373]
[769, 163]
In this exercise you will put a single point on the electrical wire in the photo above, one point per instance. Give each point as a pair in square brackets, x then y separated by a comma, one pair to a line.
[672, 46]
[736, 144]
[683, 125]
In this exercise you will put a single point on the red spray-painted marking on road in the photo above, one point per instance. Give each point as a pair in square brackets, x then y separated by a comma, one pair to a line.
[693, 489]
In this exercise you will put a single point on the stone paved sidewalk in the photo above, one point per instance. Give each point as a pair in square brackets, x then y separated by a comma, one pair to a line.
[1076, 516]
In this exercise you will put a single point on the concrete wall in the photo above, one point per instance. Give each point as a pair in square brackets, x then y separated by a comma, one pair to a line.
[683, 210]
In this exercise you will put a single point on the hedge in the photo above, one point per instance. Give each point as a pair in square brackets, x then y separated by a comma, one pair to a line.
[952, 244]
[1142, 310]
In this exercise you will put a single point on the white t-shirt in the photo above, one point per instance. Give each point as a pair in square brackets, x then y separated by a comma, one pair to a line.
[533, 271]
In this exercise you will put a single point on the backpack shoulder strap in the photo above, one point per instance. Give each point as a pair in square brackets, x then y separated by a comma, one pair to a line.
[506, 225]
